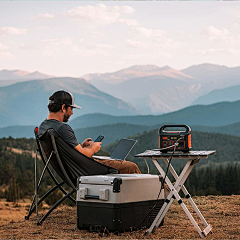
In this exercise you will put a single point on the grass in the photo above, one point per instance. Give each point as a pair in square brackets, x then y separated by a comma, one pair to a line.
[222, 212]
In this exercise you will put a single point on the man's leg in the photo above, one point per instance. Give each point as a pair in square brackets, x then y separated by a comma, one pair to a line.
[123, 166]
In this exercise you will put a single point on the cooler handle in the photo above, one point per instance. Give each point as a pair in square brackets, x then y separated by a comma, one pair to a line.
[91, 197]
[103, 194]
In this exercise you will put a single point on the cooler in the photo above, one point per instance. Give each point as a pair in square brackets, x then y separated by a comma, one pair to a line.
[118, 202]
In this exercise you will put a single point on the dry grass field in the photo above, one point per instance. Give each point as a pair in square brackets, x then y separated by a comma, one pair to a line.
[12, 211]
[222, 212]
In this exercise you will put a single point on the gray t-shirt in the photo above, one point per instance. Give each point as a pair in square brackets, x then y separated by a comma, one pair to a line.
[63, 129]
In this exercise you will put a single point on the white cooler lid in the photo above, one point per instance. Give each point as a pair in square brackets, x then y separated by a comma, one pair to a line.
[108, 179]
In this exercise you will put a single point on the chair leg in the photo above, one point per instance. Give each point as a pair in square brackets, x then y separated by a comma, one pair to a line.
[58, 185]
[36, 186]
[32, 208]
[54, 206]
[53, 178]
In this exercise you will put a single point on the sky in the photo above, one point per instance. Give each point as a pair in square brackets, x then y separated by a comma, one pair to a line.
[75, 38]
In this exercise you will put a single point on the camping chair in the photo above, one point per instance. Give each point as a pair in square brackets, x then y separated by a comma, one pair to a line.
[68, 163]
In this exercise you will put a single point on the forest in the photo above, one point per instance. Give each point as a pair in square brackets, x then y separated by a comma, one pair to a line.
[221, 177]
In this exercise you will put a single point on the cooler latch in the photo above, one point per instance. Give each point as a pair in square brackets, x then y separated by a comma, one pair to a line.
[116, 184]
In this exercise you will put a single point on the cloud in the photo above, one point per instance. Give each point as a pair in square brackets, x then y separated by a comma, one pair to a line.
[159, 44]
[138, 44]
[3, 47]
[100, 14]
[98, 34]
[12, 31]
[148, 56]
[217, 51]
[128, 9]
[57, 42]
[50, 47]
[3, 53]
[89, 51]
[103, 46]
[7, 55]
[92, 50]
[48, 53]
[150, 32]
[215, 33]
[129, 22]
[47, 15]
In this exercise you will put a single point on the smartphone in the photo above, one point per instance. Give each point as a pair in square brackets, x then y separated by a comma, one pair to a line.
[99, 139]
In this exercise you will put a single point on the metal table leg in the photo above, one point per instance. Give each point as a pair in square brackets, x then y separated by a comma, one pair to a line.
[189, 198]
[180, 180]
[169, 198]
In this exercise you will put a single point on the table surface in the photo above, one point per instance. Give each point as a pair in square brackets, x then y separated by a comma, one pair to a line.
[177, 154]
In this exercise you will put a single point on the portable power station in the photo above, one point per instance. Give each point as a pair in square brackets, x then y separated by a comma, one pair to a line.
[169, 134]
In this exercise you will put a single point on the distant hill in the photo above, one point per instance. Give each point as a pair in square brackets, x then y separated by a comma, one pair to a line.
[212, 76]
[149, 88]
[26, 103]
[231, 129]
[99, 119]
[111, 132]
[155, 94]
[154, 90]
[17, 132]
[225, 145]
[8, 77]
[112, 127]
[116, 131]
[12, 74]
[219, 95]
[205, 71]
[136, 71]
[211, 115]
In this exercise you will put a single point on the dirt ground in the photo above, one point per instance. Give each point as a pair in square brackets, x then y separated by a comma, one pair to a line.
[12, 211]
[222, 212]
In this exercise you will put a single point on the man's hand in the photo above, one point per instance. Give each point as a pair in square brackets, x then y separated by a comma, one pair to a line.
[96, 146]
[92, 147]
[87, 142]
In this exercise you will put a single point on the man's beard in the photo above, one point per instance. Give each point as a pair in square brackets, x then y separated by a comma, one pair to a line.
[66, 117]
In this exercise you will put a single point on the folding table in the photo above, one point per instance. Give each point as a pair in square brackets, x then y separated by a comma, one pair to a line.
[193, 158]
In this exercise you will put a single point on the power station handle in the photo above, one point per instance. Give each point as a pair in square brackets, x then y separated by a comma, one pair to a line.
[187, 128]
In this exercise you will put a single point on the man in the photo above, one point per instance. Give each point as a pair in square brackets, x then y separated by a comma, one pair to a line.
[60, 107]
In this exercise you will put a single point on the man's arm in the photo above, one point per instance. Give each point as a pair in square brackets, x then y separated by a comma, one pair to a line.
[90, 150]
[87, 148]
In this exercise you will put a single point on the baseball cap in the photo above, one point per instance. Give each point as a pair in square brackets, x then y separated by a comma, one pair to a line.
[63, 97]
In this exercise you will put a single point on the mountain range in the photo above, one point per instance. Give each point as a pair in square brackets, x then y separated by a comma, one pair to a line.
[137, 90]
[219, 95]
[8, 77]
[217, 118]
[25, 103]
[155, 90]
[216, 114]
